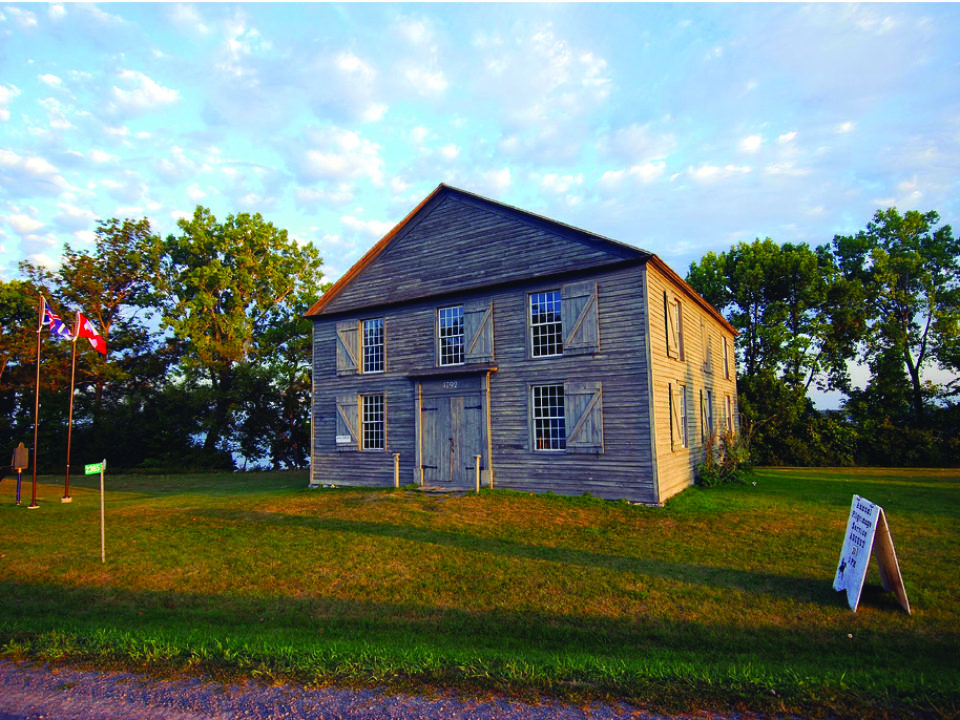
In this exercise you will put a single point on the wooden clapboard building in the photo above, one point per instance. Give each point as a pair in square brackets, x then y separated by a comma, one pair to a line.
[561, 360]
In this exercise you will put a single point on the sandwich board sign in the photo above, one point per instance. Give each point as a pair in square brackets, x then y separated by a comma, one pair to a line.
[868, 533]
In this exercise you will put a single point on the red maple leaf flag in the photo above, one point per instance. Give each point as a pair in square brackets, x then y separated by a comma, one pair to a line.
[85, 329]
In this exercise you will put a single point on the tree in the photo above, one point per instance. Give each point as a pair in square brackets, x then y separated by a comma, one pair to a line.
[909, 273]
[795, 320]
[227, 287]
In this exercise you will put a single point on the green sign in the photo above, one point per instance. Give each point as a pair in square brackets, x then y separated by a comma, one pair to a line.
[93, 469]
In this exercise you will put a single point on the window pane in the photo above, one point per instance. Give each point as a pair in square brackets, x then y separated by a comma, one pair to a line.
[450, 335]
[373, 345]
[373, 422]
[546, 326]
[549, 427]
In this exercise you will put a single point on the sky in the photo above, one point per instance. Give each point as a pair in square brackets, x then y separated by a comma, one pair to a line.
[678, 128]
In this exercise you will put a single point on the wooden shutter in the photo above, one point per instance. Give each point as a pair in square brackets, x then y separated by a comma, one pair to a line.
[348, 348]
[581, 324]
[676, 419]
[670, 315]
[348, 422]
[583, 411]
[478, 331]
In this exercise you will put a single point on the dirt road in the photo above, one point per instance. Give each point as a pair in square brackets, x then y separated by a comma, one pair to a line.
[37, 692]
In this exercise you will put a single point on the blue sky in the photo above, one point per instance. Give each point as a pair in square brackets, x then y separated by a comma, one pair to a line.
[676, 128]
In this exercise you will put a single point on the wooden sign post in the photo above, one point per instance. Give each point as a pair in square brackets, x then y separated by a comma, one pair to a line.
[93, 469]
[868, 532]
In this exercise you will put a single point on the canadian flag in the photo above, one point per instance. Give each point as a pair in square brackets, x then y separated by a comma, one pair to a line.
[85, 329]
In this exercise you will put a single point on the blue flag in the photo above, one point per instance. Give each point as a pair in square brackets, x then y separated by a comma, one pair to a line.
[57, 328]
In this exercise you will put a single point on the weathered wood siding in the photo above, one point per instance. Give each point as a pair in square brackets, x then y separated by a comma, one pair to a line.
[459, 244]
[624, 467]
[692, 363]
[621, 469]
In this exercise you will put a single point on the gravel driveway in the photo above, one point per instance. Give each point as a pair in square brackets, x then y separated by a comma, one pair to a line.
[35, 692]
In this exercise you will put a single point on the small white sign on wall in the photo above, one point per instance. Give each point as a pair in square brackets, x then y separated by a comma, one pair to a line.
[868, 533]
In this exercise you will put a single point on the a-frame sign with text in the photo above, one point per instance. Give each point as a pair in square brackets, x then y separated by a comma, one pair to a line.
[868, 532]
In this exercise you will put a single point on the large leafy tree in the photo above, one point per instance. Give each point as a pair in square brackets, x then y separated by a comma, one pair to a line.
[228, 290]
[908, 270]
[794, 317]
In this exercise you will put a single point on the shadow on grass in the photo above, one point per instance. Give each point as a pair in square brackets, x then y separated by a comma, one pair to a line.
[817, 591]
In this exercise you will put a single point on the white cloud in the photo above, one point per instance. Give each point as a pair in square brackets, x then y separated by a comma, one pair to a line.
[51, 80]
[712, 173]
[140, 93]
[339, 155]
[419, 134]
[373, 112]
[560, 184]
[57, 11]
[450, 152]
[100, 157]
[751, 143]
[71, 217]
[788, 137]
[426, 81]
[187, 16]
[845, 127]
[7, 94]
[30, 173]
[497, 180]
[24, 224]
[373, 228]
[644, 173]
[786, 168]
[359, 70]
[25, 19]
[639, 144]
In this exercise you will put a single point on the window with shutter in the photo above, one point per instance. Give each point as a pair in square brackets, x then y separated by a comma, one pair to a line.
[584, 416]
[348, 348]
[670, 308]
[581, 325]
[348, 420]
[678, 416]
[478, 331]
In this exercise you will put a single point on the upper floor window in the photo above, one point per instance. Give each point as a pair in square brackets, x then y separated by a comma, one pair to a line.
[726, 359]
[546, 324]
[373, 345]
[673, 310]
[450, 335]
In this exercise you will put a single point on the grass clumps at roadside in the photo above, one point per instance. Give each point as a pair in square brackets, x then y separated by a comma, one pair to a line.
[722, 599]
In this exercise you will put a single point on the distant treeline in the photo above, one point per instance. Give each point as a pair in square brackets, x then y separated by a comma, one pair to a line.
[208, 361]
[886, 301]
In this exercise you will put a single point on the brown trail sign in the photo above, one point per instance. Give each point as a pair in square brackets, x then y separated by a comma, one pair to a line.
[867, 531]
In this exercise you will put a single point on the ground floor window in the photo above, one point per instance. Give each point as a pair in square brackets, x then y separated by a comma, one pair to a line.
[373, 422]
[549, 425]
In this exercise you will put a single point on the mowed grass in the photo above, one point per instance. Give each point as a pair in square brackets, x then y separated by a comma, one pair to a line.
[722, 600]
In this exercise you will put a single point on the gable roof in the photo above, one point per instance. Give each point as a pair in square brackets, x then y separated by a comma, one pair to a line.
[466, 222]
[446, 205]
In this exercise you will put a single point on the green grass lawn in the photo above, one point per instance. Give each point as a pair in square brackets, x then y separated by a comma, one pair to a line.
[722, 600]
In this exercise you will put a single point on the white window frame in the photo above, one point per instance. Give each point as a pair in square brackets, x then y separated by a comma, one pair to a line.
[373, 422]
[450, 341]
[550, 425]
[551, 329]
[373, 353]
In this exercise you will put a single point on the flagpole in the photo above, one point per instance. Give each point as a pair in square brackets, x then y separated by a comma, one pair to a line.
[36, 404]
[73, 372]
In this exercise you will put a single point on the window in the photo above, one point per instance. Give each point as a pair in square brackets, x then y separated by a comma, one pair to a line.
[546, 324]
[726, 358]
[549, 425]
[706, 414]
[677, 400]
[673, 311]
[450, 335]
[373, 346]
[728, 420]
[372, 422]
